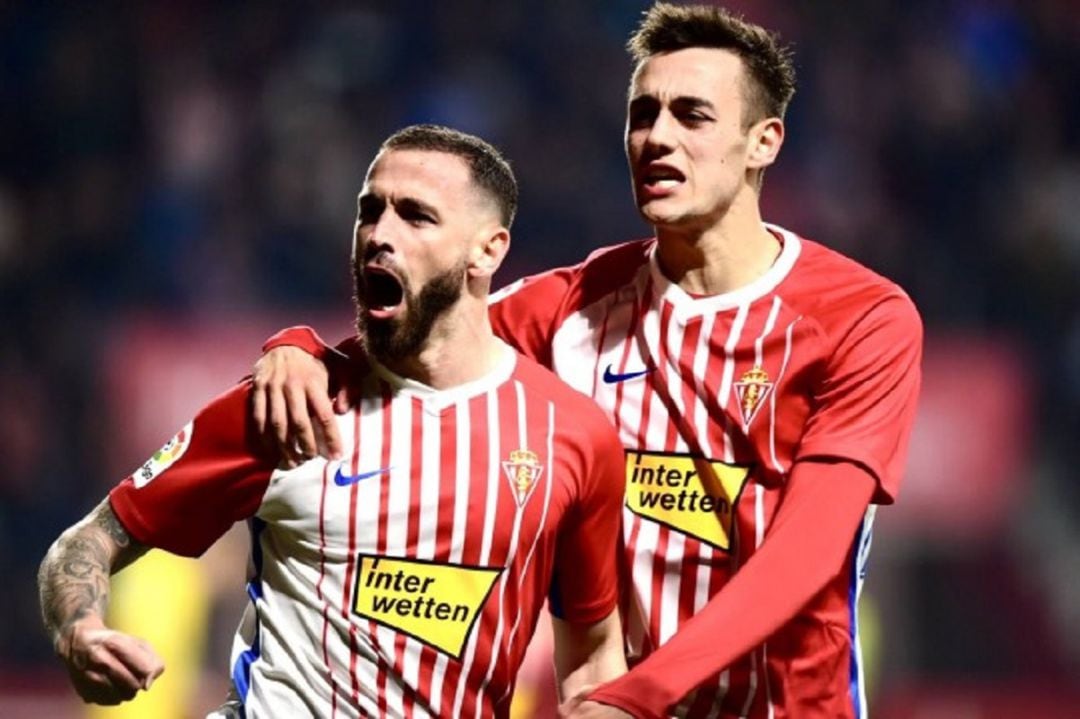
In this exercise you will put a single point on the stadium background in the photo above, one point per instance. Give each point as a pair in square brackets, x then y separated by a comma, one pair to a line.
[177, 180]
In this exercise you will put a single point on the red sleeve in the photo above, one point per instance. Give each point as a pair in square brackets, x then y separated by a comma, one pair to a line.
[865, 406]
[585, 584]
[210, 475]
[810, 537]
[336, 359]
[525, 313]
[301, 336]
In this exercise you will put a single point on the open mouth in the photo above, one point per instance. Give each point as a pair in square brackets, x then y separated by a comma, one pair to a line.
[662, 177]
[383, 292]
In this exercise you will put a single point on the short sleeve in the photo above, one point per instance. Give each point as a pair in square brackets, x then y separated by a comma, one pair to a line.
[300, 336]
[212, 473]
[585, 580]
[864, 405]
[525, 313]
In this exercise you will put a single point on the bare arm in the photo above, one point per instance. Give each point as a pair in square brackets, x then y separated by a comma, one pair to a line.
[106, 667]
[587, 655]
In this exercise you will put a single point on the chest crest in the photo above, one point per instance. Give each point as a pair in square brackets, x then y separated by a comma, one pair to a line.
[751, 391]
[523, 471]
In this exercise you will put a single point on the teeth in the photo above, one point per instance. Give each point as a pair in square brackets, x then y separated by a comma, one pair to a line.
[663, 181]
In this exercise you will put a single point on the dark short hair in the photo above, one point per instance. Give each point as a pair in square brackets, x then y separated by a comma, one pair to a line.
[489, 169]
[666, 27]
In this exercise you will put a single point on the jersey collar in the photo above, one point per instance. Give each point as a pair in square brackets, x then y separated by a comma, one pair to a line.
[435, 400]
[687, 305]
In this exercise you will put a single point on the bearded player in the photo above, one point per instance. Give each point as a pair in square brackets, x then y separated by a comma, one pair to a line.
[407, 578]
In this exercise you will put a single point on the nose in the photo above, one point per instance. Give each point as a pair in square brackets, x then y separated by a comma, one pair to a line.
[372, 238]
[661, 135]
[381, 232]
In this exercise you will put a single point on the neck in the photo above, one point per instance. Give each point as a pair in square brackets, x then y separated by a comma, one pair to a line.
[727, 255]
[460, 349]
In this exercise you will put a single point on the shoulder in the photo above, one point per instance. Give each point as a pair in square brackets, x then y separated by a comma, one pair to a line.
[223, 428]
[603, 271]
[838, 293]
[226, 416]
[610, 267]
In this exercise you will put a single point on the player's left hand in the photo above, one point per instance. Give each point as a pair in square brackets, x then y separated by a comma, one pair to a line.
[577, 707]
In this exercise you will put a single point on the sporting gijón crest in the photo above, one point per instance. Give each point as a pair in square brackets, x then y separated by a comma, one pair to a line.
[751, 391]
[523, 469]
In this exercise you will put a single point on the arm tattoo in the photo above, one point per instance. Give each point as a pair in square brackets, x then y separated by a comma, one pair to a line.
[73, 579]
[107, 520]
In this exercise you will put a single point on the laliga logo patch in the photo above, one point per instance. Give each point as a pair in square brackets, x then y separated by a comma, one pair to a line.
[436, 604]
[692, 495]
[523, 470]
[164, 458]
[752, 389]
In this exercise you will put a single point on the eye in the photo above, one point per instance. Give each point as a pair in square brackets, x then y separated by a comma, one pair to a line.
[416, 216]
[642, 113]
[641, 118]
[692, 118]
[369, 210]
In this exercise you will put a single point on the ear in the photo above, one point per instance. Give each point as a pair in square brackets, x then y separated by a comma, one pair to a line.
[488, 253]
[765, 138]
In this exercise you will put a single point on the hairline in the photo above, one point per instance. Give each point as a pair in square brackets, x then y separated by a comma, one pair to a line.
[485, 195]
[747, 82]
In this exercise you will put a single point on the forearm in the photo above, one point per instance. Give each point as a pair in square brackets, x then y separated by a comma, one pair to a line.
[805, 548]
[73, 580]
[586, 656]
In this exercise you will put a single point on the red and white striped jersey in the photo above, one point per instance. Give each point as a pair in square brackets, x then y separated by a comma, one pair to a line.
[715, 398]
[407, 579]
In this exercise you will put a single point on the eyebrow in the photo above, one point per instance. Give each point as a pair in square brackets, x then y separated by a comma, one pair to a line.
[369, 200]
[686, 102]
[417, 205]
[373, 199]
[689, 102]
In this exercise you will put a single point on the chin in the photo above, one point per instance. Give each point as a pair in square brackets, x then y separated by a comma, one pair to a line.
[662, 216]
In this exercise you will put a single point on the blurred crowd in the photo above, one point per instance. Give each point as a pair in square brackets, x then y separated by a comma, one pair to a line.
[188, 160]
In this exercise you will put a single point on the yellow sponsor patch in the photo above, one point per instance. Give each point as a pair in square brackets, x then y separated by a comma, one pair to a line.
[693, 495]
[434, 603]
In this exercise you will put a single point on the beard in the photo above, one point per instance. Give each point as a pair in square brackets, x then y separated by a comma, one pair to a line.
[403, 336]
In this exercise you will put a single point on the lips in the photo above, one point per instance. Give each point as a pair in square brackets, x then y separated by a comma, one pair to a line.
[383, 292]
[659, 180]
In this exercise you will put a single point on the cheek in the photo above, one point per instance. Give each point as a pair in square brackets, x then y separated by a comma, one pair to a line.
[362, 238]
[713, 166]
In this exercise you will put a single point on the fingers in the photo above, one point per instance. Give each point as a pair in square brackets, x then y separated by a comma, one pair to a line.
[258, 407]
[342, 401]
[118, 675]
[279, 424]
[291, 408]
[325, 423]
[96, 687]
[299, 423]
[112, 667]
[138, 657]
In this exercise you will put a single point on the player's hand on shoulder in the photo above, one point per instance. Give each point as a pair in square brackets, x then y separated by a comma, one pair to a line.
[291, 405]
[107, 666]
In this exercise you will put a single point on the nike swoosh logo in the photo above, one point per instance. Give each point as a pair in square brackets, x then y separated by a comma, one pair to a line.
[613, 377]
[344, 480]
